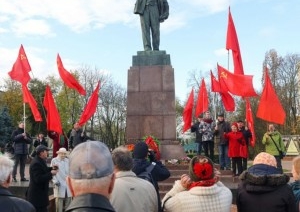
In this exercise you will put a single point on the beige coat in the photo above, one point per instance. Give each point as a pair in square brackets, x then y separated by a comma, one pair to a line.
[133, 194]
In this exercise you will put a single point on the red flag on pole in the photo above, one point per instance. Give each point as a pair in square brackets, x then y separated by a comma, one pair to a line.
[53, 118]
[187, 112]
[28, 98]
[91, 106]
[202, 101]
[21, 68]
[68, 78]
[270, 108]
[227, 99]
[250, 122]
[237, 84]
[233, 44]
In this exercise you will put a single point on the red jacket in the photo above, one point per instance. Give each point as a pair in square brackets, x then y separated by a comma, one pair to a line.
[236, 144]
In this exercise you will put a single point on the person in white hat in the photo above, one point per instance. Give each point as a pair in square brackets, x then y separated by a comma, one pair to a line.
[61, 191]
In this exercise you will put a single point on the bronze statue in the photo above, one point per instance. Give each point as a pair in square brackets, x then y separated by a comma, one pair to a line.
[152, 13]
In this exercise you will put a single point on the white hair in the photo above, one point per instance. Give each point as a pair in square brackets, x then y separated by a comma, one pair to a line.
[6, 167]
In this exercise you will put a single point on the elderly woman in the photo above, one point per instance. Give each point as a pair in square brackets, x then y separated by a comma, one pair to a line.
[200, 190]
[61, 191]
[264, 188]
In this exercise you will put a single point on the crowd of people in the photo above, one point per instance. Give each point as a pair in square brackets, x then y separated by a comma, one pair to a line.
[91, 177]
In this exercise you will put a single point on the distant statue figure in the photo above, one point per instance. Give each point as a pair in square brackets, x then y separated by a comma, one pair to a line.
[151, 12]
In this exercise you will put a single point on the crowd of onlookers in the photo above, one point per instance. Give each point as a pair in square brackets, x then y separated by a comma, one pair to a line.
[90, 177]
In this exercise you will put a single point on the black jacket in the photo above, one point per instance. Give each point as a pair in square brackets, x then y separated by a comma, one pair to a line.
[20, 143]
[10, 203]
[222, 127]
[195, 129]
[264, 188]
[90, 203]
[40, 175]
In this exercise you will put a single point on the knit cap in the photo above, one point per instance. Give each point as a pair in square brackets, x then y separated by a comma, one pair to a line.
[201, 168]
[265, 158]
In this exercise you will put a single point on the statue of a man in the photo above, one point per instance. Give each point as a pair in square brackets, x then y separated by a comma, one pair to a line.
[151, 12]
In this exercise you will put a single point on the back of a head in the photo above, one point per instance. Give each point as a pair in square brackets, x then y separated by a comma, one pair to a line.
[140, 150]
[122, 159]
[201, 168]
[6, 167]
[90, 160]
[296, 168]
[266, 159]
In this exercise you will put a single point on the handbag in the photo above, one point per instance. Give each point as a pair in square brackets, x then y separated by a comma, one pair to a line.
[281, 155]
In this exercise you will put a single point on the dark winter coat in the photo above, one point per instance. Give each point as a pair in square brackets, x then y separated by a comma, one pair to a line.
[37, 142]
[76, 138]
[264, 188]
[40, 175]
[90, 203]
[20, 143]
[10, 203]
[195, 128]
[222, 127]
[296, 190]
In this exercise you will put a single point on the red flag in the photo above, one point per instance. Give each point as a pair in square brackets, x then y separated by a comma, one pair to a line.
[68, 78]
[91, 106]
[227, 99]
[215, 85]
[21, 68]
[53, 118]
[270, 108]
[233, 44]
[250, 122]
[237, 84]
[202, 101]
[28, 98]
[187, 112]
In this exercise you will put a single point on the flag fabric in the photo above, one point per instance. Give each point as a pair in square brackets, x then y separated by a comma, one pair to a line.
[90, 107]
[227, 99]
[53, 118]
[250, 122]
[68, 78]
[237, 84]
[270, 108]
[233, 44]
[228, 102]
[215, 85]
[21, 68]
[28, 98]
[202, 101]
[187, 112]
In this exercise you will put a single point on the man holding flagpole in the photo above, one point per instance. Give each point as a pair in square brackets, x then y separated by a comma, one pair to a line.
[21, 139]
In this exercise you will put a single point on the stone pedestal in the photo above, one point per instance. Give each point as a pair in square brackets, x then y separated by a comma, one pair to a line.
[151, 99]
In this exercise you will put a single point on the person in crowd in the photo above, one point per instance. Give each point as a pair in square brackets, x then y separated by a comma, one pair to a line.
[141, 154]
[40, 140]
[274, 144]
[91, 177]
[296, 184]
[264, 188]
[236, 141]
[58, 141]
[195, 128]
[77, 136]
[200, 190]
[2, 148]
[8, 202]
[207, 127]
[129, 188]
[61, 191]
[21, 140]
[40, 175]
[222, 143]
[247, 135]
